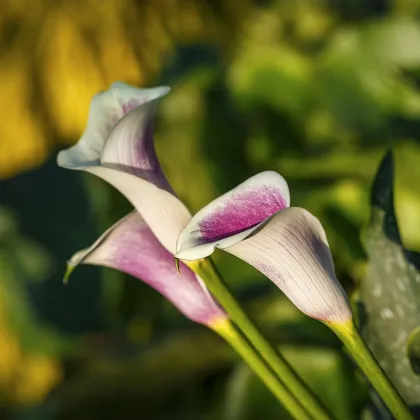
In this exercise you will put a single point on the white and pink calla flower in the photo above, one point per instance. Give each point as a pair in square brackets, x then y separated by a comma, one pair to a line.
[287, 244]
[131, 247]
[118, 147]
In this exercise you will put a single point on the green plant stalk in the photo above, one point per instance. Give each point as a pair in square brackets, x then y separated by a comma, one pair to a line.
[208, 272]
[358, 349]
[234, 337]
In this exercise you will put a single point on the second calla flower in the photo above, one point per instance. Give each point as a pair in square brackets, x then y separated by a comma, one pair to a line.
[287, 244]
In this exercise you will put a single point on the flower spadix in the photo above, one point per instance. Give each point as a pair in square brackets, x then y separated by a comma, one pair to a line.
[287, 244]
[117, 146]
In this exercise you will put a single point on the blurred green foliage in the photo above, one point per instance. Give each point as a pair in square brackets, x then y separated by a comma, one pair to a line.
[317, 90]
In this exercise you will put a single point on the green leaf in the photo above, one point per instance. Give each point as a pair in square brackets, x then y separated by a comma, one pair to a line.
[391, 289]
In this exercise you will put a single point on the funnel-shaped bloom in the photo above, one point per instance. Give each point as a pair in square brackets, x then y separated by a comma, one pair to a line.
[288, 245]
[131, 247]
[117, 146]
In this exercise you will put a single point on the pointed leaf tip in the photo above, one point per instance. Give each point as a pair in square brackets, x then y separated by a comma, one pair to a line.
[68, 272]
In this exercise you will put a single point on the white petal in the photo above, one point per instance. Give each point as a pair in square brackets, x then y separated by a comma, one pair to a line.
[130, 148]
[292, 251]
[164, 213]
[233, 216]
[107, 108]
[118, 147]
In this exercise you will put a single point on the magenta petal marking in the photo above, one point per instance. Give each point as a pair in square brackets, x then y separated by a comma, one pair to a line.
[132, 248]
[243, 210]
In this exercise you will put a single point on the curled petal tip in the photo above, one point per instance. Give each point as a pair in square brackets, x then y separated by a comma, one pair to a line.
[125, 90]
[107, 109]
[75, 260]
[67, 274]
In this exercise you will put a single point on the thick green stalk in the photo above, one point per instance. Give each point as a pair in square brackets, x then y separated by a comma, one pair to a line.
[230, 333]
[358, 349]
[207, 271]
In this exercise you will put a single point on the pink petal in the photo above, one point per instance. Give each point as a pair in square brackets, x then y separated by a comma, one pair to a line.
[164, 213]
[233, 216]
[130, 246]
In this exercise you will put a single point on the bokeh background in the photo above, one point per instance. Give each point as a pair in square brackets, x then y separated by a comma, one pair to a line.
[317, 90]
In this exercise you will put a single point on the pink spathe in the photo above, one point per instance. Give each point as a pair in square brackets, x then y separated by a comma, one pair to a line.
[131, 247]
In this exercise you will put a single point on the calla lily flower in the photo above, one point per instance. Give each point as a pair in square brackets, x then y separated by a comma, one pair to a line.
[117, 146]
[131, 247]
[287, 244]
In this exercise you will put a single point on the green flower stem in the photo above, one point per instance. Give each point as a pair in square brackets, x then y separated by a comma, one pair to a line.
[234, 337]
[351, 338]
[208, 272]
